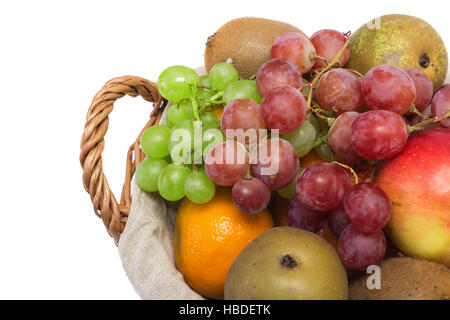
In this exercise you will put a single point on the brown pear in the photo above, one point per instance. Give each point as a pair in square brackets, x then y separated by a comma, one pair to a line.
[400, 40]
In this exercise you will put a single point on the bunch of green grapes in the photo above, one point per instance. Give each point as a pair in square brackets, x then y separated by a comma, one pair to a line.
[175, 156]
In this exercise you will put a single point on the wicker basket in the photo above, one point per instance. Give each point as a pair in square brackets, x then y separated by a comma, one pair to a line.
[114, 214]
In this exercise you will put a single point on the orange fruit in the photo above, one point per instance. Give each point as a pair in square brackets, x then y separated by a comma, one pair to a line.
[309, 159]
[208, 238]
[218, 111]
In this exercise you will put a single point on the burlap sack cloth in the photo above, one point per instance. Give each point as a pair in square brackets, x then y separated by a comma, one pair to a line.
[145, 246]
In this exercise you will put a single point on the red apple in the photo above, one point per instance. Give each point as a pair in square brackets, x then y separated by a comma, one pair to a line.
[418, 184]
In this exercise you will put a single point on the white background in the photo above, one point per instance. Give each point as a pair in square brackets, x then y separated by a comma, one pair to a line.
[54, 56]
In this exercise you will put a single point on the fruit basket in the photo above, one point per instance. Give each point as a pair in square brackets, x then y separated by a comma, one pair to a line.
[114, 214]
[158, 236]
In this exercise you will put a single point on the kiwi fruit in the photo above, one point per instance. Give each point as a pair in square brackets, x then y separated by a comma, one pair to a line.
[405, 278]
[247, 41]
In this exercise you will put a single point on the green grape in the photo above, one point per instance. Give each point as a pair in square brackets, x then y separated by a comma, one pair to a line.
[171, 182]
[205, 94]
[291, 190]
[174, 83]
[168, 159]
[147, 173]
[302, 138]
[181, 141]
[179, 112]
[313, 119]
[168, 123]
[188, 109]
[242, 89]
[176, 114]
[190, 162]
[199, 188]
[325, 153]
[155, 141]
[211, 137]
[197, 166]
[204, 80]
[221, 75]
[201, 168]
[321, 125]
[210, 120]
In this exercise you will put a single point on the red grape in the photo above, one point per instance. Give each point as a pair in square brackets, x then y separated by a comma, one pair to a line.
[379, 134]
[304, 218]
[295, 47]
[340, 137]
[284, 108]
[276, 164]
[367, 207]
[275, 73]
[226, 163]
[337, 221]
[359, 250]
[424, 88]
[328, 43]
[441, 105]
[390, 88]
[339, 89]
[322, 186]
[242, 114]
[251, 195]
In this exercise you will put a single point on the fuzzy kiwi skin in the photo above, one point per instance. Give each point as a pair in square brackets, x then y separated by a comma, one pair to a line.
[405, 278]
[247, 41]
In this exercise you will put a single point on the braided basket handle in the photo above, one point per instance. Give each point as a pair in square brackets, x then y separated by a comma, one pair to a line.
[113, 214]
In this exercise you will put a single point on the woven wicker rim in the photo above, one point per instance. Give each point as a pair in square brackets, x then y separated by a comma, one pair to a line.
[106, 207]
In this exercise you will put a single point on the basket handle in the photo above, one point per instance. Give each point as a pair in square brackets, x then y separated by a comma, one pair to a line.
[113, 214]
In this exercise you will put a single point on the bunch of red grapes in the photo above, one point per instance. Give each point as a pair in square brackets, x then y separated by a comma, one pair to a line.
[370, 118]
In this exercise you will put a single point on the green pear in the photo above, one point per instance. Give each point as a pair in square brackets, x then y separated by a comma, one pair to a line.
[400, 40]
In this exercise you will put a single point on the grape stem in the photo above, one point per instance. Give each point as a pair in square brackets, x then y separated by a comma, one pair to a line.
[214, 100]
[248, 175]
[318, 142]
[217, 96]
[314, 56]
[359, 74]
[194, 102]
[326, 116]
[423, 124]
[348, 168]
[323, 70]
[414, 110]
